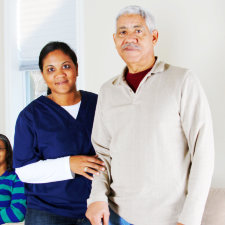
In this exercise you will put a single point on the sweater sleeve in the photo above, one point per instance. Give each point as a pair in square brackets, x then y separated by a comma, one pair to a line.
[17, 209]
[101, 142]
[197, 126]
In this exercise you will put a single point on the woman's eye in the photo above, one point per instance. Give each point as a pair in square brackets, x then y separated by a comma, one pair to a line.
[66, 66]
[50, 69]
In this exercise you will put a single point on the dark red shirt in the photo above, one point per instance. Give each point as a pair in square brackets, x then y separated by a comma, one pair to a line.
[134, 79]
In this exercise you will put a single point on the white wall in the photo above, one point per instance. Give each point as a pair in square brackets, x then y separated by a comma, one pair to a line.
[2, 102]
[191, 34]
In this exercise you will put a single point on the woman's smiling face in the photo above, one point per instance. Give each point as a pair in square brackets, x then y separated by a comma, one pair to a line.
[59, 72]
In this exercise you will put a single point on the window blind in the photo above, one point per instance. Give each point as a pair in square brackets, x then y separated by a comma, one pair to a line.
[40, 22]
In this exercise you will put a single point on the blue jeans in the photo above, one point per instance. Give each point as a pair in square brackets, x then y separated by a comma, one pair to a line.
[115, 219]
[40, 217]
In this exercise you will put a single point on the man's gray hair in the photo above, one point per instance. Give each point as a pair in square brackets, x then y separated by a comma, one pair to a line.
[134, 9]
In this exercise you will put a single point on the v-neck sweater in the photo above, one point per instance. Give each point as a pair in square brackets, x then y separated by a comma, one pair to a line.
[157, 145]
[44, 130]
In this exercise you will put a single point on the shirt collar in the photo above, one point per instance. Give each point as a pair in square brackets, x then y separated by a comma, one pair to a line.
[158, 67]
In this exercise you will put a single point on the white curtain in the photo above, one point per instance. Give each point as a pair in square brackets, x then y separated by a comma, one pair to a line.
[42, 21]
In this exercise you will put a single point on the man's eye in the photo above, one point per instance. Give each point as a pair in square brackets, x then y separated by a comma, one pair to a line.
[66, 66]
[138, 31]
[123, 32]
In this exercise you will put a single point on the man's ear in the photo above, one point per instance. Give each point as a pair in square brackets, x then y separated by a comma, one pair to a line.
[114, 37]
[155, 36]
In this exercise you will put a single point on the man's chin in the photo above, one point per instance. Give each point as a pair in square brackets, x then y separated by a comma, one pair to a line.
[131, 59]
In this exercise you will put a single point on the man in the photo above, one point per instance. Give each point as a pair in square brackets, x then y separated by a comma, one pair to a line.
[153, 130]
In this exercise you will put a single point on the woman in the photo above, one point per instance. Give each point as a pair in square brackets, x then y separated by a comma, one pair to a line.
[52, 143]
[12, 197]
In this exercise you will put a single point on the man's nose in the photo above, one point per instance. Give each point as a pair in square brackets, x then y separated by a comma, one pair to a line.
[131, 38]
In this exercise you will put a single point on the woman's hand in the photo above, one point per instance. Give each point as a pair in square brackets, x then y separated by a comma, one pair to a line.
[82, 164]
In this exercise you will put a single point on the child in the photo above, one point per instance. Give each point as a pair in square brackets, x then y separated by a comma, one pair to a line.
[12, 197]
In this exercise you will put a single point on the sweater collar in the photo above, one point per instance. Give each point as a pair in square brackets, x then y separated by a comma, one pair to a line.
[158, 67]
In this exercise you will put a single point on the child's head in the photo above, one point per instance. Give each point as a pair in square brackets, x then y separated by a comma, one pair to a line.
[5, 152]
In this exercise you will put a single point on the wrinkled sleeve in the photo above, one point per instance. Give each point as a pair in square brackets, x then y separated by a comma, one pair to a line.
[17, 209]
[101, 141]
[197, 125]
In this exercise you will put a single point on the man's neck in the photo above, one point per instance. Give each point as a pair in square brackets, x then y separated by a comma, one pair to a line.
[137, 67]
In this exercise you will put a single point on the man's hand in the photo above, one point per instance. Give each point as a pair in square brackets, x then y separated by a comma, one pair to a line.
[98, 212]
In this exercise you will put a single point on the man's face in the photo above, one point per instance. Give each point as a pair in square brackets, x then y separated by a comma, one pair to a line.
[134, 42]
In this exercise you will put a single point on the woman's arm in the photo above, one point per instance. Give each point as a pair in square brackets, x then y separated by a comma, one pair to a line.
[45, 171]
[52, 170]
[29, 163]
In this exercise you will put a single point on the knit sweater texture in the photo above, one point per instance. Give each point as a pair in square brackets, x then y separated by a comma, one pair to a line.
[157, 144]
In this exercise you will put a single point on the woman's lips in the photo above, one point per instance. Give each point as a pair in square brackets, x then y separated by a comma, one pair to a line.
[61, 82]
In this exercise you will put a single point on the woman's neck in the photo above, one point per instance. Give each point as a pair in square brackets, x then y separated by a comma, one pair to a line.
[66, 99]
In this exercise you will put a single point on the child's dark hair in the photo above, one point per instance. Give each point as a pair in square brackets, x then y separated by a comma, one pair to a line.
[9, 152]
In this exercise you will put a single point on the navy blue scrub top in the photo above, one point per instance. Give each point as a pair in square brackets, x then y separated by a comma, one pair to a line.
[45, 130]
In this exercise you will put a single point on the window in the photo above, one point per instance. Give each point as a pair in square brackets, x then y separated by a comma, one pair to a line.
[39, 23]
[35, 85]
[28, 26]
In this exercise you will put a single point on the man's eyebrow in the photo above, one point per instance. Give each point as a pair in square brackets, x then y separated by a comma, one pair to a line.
[135, 26]
[123, 27]
[138, 26]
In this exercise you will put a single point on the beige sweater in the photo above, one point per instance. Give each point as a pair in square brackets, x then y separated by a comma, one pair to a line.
[158, 146]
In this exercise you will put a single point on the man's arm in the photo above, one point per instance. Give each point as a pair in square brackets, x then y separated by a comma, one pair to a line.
[98, 213]
[197, 127]
[98, 201]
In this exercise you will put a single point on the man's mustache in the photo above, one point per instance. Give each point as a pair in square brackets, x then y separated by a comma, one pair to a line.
[132, 45]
